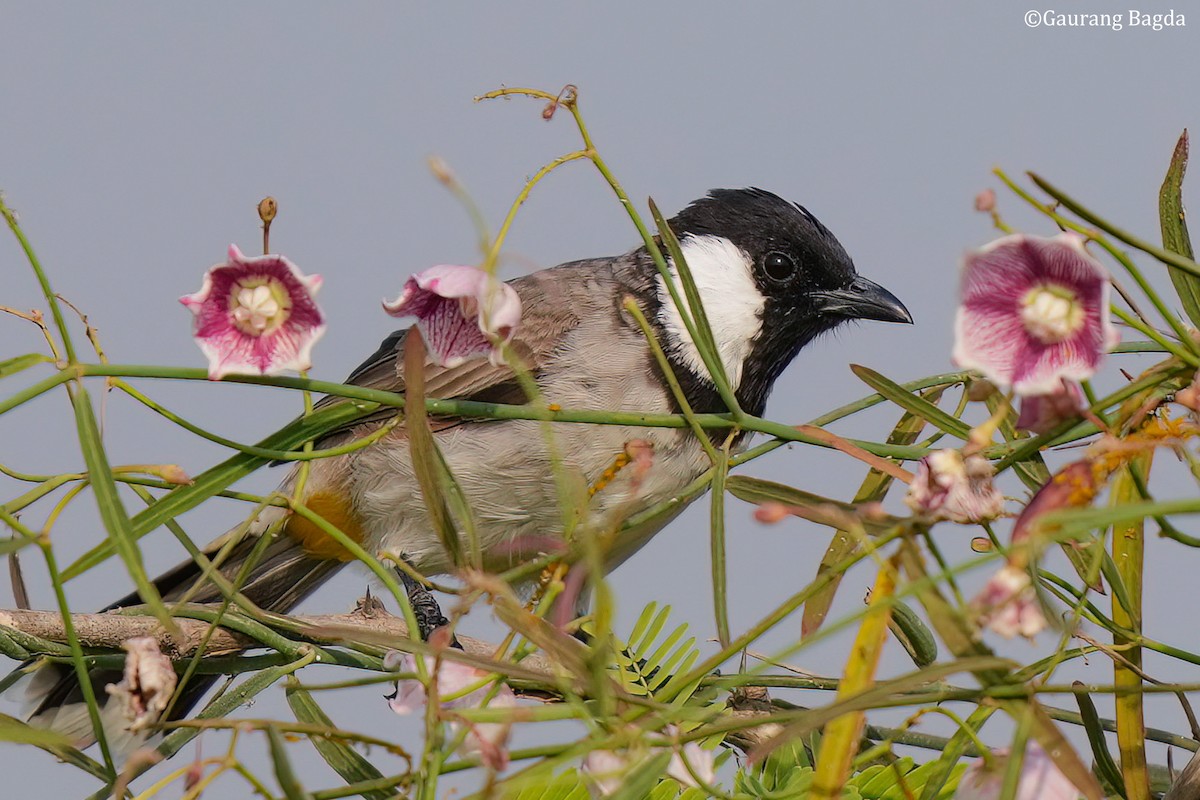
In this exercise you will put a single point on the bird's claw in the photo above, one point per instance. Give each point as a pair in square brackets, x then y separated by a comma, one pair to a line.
[425, 608]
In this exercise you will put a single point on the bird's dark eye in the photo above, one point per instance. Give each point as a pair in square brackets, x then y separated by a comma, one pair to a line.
[779, 266]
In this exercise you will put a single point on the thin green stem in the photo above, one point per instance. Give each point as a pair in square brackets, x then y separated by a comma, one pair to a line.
[52, 301]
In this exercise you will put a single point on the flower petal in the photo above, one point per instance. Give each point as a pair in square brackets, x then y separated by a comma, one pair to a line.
[1008, 288]
[458, 686]
[949, 486]
[1042, 413]
[147, 684]
[1008, 604]
[282, 342]
[462, 312]
[1040, 779]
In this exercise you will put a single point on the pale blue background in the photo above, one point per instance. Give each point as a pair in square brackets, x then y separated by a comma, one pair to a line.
[137, 139]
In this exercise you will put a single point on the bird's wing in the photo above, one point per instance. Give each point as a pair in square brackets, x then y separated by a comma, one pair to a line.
[553, 302]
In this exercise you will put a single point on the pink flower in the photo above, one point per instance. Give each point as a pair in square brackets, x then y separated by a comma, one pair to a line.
[461, 312]
[1189, 397]
[605, 770]
[950, 486]
[147, 685]
[1042, 413]
[256, 316]
[689, 758]
[1033, 312]
[1040, 779]
[462, 686]
[1008, 604]
[1073, 486]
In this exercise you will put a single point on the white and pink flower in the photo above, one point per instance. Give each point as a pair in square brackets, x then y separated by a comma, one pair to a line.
[1033, 312]
[256, 316]
[1042, 413]
[462, 312]
[147, 684]
[1008, 604]
[1040, 779]
[950, 486]
[606, 770]
[458, 686]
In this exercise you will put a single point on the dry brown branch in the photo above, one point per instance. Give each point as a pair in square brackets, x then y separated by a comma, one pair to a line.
[109, 630]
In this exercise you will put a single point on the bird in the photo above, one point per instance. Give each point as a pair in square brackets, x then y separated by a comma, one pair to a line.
[771, 279]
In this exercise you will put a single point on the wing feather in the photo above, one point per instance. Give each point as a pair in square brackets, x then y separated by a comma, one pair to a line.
[551, 308]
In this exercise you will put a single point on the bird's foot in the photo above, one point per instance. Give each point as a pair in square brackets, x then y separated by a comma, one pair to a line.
[425, 608]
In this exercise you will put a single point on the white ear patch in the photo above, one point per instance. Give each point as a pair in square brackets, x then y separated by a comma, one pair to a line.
[732, 301]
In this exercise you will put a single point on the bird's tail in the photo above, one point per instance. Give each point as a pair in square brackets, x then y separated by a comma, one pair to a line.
[278, 575]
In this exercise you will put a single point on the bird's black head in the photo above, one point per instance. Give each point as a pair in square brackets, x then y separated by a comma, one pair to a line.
[772, 278]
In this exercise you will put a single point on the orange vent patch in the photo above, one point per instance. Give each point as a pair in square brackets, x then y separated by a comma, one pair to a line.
[315, 541]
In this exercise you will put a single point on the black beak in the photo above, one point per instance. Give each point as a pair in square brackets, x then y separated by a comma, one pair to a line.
[863, 299]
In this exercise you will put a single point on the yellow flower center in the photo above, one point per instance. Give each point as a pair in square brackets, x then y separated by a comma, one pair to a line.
[1051, 313]
[259, 305]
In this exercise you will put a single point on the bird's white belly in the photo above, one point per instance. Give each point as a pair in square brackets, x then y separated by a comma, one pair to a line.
[507, 468]
[506, 472]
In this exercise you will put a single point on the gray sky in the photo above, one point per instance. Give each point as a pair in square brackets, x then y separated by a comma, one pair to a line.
[138, 138]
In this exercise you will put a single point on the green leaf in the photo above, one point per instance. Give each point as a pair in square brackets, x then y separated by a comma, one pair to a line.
[1106, 768]
[717, 546]
[916, 639]
[874, 487]
[885, 779]
[13, 544]
[640, 780]
[1071, 204]
[912, 403]
[942, 780]
[426, 461]
[757, 490]
[568, 786]
[288, 782]
[646, 663]
[14, 365]
[1174, 230]
[698, 325]
[843, 734]
[221, 477]
[783, 761]
[14, 730]
[1128, 551]
[112, 511]
[342, 759]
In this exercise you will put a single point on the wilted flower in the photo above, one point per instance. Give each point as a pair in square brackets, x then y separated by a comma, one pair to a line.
[605, 770]
[147, 685]
[256, 316]
[1042, 413]
[1073, 486]
[1189, 397]
[689, 758]
[1040, 779]
[461, 312]
[985, 201]
[464, 687]
[950, 486]
[1033, 312]
[1008, 604]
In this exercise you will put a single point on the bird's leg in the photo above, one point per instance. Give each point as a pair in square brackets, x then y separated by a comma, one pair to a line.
[425, 606]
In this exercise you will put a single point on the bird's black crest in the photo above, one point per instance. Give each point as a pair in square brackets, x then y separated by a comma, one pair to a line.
[727, 212]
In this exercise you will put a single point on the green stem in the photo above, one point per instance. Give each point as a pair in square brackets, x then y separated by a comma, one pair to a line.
[81, 670]
[60, 323]
[1165, 256]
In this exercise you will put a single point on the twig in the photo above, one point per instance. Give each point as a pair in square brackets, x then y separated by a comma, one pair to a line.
[109, 630]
